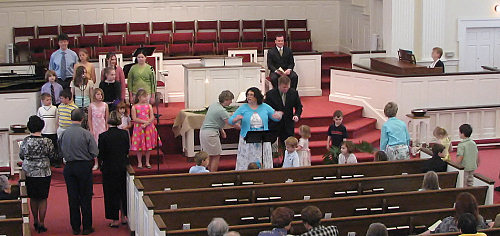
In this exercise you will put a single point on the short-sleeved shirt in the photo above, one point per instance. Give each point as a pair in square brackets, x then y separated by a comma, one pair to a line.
[291, 159]
[197, 169]
[64, 113]
[49, 115]
[467, 148]
[337, 134]
[215, 117]
[82, 93]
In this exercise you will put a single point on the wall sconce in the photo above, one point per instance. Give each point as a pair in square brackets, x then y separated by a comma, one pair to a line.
[497, 8]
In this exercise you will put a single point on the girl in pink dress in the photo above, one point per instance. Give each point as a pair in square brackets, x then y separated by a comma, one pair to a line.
[145, 136]
[98, 116]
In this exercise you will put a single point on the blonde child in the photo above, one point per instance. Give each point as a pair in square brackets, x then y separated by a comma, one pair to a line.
[83, 56]
[291, 158]
[443, 139]
[346, 155]
[201, 159]
[52, 88]
[49, 114]
[98, 116]
[145, 136]
[124, 111]
[303, 146]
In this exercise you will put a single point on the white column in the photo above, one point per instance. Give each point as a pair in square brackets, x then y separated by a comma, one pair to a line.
[433, 26]
[399, 27]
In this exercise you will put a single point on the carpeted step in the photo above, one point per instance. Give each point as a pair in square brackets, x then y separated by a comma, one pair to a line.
[354, 129]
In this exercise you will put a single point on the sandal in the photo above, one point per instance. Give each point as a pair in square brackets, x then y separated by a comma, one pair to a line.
[148, 166]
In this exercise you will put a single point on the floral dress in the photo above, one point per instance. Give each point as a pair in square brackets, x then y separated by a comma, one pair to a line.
[98, 119]
[144, 139]
[304, 153]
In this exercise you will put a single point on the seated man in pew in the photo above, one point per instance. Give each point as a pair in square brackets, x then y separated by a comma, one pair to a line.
[281, 219]
[311, 217]
[5, 189]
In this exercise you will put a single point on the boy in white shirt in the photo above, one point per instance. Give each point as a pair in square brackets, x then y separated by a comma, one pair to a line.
[291, 156]
[201, 159]
[48, 113]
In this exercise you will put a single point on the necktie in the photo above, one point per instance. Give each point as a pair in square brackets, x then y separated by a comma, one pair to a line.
[281, 51]
[63, 65]
[52, 94]
[283, 97]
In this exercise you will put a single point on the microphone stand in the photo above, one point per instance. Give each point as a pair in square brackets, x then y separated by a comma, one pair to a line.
[157, 116]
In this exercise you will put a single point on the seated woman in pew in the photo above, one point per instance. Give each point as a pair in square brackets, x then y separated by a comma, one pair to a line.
[467, 223]
[281, 219]
[5, 189]
[430, 182]
[465, 203]
[380, 156]
[377, 229]
[436, 163]
[217, 227]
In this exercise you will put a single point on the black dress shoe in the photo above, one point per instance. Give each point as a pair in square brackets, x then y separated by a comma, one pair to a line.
[76, 232]
[88, 231]
[41, 229]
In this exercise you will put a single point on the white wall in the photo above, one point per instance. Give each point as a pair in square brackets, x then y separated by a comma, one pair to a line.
[466, 9]
[322, 15]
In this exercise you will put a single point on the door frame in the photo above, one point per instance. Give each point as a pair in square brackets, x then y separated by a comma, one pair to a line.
[469, 23]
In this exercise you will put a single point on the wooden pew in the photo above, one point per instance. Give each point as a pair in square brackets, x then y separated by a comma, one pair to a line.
[294, 191]
[332, 207]
[131, 211]
[287, 192]
[408, 223]
[278, 175]
[14, 227]
[13, 209]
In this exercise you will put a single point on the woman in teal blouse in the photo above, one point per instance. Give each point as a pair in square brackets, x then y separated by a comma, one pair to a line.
[254, 115]
[141, 76]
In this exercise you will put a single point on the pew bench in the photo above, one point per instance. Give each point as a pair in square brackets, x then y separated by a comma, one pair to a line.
[286, 191]
[14, 227]
[404, 223]
[176, 219]
[294, 191]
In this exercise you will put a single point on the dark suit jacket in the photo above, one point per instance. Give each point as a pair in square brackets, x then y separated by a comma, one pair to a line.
[439, 63]
[273, 99]
[275, 61]
[113, 146]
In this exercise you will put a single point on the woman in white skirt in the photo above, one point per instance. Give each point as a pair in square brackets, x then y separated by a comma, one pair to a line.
[394, 137]
[254, 116]
[213, 129]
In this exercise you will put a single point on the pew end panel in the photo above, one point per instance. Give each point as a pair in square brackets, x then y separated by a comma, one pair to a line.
[481, 180]
[452, 166]
[130, 198]
[159, 227]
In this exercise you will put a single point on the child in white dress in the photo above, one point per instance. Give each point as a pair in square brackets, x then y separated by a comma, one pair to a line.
[303, 146]
[346, 155]
[291, 158]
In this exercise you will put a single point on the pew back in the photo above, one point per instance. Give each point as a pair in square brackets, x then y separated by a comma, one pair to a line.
[408, 222]
[292, 191]
[11, 209]
[279, 175]
[12, 227]
[333, 207]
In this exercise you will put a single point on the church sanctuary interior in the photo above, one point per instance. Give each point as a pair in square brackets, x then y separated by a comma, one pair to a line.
[249, 117]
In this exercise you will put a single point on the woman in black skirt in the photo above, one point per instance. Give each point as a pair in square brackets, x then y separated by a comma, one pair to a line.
[36, 153]
[113, 146]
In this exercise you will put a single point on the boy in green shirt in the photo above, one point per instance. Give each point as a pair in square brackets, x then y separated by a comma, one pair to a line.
[467, 154]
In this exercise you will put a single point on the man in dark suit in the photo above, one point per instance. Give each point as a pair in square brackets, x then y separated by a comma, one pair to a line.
[285, 99]
[278, 57]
